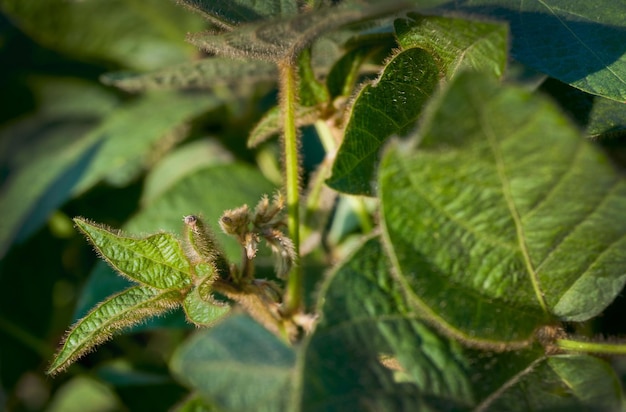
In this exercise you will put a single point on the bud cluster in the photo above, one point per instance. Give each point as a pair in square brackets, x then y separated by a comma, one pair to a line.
[265, 222]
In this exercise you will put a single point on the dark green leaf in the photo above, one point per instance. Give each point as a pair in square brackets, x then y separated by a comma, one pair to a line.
[457, 44]
[132, 135]
[142, 35]
[389, 106]
[370, 353]
[157, 260]
[118, 312]
[280, 39]
[238, 365]
[229, 13]
[563, 383]
[578, 42]
[207, 73]
[477, 218]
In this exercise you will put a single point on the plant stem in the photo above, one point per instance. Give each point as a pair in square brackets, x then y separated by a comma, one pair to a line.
[592, 347]
[288, 92]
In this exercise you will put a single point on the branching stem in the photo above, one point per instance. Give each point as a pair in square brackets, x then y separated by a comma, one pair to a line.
[289, 93]
[603, 348]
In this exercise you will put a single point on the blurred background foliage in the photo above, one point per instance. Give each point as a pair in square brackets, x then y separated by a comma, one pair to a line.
[71, 146]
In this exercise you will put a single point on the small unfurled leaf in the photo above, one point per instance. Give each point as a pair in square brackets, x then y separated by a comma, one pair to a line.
[271, 124]
[230, 13]
[116, 313]
[157, 260]
[457, 44]
[281, 39]
[202, 312]
[502, 212]
[389, 106]
[203, 74]
[237, 365]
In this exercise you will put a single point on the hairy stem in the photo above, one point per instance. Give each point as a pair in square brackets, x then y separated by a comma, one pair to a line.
[289, 92]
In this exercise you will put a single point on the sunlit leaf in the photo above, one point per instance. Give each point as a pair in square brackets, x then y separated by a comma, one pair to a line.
[457, 44]
[157, 260]
[116, 313]
[238, 365]
[201, 312]
[482, 229]
[389, 106]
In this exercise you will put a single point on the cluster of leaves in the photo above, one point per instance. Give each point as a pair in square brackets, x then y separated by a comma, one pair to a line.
[499, 236]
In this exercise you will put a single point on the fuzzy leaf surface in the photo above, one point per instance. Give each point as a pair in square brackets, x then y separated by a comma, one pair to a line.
[140, 35]
[204, 74]
[474, 217]
[116, 313]
[157, 260]
[389, 106]
[229, 13]
[279, 39]
[457, 44]
[578, 42]
[237, 365]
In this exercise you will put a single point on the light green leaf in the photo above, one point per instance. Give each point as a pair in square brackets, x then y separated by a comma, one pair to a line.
[457, 44]
[142, 35]
[229, 13]
[279, 39]
[389, 106]
[201, 312]
[578, 42]
[566, 382]
[157, 260]
[237, 365]
[135, 133]
[118, 312]
[84, 390]
[369, 349]
[503, 212]
[207, 73]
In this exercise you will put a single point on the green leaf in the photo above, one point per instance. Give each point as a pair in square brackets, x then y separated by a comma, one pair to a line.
[281, 39]
[566, 382]
[133, 134]
[389, 106]
[237, 365]
[142, 35]
[84, 390]
[207, 73]
[457, 44]
[475, 217]
[157, 260]
[201, 312]
[118, 312]
[369, 349]
[578, 42]
[229, 13]
[41, 173]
